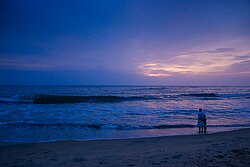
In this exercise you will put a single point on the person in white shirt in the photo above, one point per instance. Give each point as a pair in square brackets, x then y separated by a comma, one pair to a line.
[202, 121]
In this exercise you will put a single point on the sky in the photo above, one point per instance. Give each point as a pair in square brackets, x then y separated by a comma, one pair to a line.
[125, 42]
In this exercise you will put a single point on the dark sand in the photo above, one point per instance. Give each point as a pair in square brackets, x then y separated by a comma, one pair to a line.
[220, 149]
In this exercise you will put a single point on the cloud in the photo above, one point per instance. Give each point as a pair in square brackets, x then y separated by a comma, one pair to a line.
[26, 63]
[214, 61]
[217, 50]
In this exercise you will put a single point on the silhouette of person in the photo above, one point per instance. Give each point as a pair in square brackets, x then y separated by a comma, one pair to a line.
[202, 121]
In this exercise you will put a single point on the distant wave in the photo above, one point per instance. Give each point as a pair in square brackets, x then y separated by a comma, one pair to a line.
[114, 126]
[97, 126]
[235, 95]
[59, 99]
[216, 96]
[54, 99]
[201, 95]
[17, 99]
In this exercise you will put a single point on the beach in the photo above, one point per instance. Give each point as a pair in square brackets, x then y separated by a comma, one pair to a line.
[218, 149]
[123, 83]
[123, 126]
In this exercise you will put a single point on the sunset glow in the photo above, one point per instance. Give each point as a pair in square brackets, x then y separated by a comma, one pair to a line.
[116, 42]
[197, 63]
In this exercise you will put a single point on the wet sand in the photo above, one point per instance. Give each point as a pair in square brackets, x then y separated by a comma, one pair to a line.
[219, 149]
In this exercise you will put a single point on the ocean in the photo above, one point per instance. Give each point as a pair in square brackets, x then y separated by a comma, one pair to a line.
[50, 113]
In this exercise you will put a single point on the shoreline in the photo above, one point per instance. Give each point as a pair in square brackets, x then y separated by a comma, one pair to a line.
[230, 148]
[190, 132]
[209, 132]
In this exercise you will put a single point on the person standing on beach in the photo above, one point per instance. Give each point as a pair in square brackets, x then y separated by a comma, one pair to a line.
[202, 121]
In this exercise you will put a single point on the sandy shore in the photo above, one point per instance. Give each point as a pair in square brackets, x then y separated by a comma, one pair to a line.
[220, 149]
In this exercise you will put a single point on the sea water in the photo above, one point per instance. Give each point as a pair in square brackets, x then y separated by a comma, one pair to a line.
[49, 113]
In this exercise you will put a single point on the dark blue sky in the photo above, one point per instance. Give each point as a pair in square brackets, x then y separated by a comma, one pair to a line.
[166, 42]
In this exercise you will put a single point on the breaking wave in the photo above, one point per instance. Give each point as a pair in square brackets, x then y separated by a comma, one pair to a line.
[59, 99]
[114, 126]
[201, 95]
[214, 96]
[98, 126]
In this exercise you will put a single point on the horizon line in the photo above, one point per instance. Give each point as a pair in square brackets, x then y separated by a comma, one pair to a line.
[123, 85]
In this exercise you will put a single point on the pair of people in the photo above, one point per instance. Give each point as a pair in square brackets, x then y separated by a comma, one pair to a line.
[202, 121]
